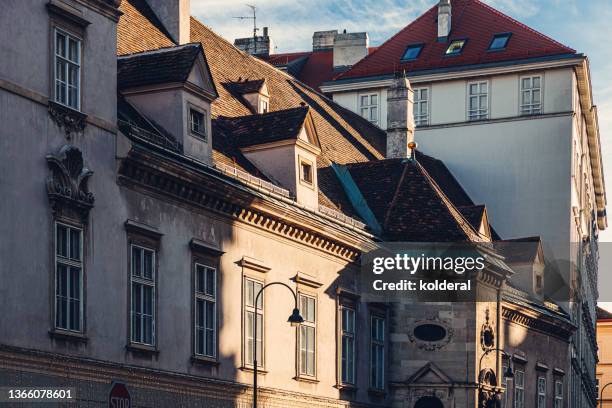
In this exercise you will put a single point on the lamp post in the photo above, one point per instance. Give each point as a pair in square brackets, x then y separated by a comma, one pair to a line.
[509, 373]
[601, 394]
[295, 319]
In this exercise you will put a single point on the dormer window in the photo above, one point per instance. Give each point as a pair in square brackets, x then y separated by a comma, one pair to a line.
[197, 123]
[412, 52]
[306, 171]
[455, 47]
[263, 106]
[499, 41]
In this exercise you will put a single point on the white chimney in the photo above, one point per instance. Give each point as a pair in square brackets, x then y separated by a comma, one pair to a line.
[444, 19]
[174, 15]
[400, 119]
[323, 40]
[349, 48]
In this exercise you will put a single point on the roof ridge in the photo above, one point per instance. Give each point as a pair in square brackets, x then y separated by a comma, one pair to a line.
[159, 50]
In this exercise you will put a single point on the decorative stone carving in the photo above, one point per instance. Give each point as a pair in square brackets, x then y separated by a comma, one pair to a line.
[72, 121]
[487, 334]
[426, 344]
[67, 184]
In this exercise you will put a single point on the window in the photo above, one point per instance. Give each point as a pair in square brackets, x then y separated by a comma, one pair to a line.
[264, 106]
[412, 52]
[504, 381]
[251, 289]
[531, 95]
[197, 123]
[369, 107]
[478, 100]
[68, 278]
[421, 111]
[67, 69]
[559, 394]
[519, 389]
[377, 353]
[205, 311]
[455, 47]
[308, 336]
[499, 41]
[306, 171]
[143, 295]
[541, 401]
[348, 345]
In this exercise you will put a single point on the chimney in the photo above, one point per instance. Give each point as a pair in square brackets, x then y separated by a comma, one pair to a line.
[444, 20]
[174, 15]
[260, 46]
[400, 120]
[323, 40]
[349, 48]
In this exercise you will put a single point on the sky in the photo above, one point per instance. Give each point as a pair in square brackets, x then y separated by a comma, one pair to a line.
[582, 25]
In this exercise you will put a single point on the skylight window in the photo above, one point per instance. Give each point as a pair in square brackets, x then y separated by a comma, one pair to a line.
[412, 52]
[499, 41]
[455, 47]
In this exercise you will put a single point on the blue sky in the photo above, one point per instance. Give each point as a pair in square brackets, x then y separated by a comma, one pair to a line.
[583, 25]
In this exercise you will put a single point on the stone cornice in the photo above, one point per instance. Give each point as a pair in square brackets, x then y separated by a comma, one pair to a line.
[533, 320]
[172, 180]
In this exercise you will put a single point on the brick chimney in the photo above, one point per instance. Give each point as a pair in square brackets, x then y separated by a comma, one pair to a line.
[174, 15]
[261, 45]
[400, 120]
[444, 20]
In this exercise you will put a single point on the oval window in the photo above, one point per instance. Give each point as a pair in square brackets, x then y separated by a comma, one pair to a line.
[430, 332]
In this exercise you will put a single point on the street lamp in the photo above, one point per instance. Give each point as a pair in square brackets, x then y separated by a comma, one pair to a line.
[509, 373]
[601, 394]
[295, 319]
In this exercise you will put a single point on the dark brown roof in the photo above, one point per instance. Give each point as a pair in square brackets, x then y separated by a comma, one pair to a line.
[473, 214]
[139, 29]
[246, 86]
[263, 128]
[519, 250]
[166, 65]
[603, 314]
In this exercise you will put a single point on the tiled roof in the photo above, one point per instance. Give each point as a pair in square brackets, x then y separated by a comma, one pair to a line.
[603, 314]
[472, 20]
[246, 86]
[263, 128]
[164, 65]
[473, 214]
[139, 29]
[519, 250]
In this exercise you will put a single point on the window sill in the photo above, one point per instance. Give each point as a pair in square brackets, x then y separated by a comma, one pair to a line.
[346, 387]
[250, 370]
[302, 378]
[142, 349]
[68, 335]
[203, 360]
[199, 136]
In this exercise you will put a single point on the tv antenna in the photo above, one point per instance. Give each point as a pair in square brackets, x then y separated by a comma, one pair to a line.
[254, 18]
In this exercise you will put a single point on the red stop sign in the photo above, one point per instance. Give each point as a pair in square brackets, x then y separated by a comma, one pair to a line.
[119, 396]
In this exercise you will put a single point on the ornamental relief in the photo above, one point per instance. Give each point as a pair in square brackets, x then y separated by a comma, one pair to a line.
[430, 334]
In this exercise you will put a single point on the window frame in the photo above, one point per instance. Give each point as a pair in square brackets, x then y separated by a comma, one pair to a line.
[519, 389]
[457, 53]
[199, 135]
[504, 382]
[378, 343]
[203, 296]
[478, 114]
[68, 34]
[422, 119]
[301, 162]
[541, 403]
[261, 357]
[419, 47]
[69, 262]
[352, 336]
[496, 36]
[528, 109]
[558, 401]
[303, 325]
[369, 106]
[148, 282]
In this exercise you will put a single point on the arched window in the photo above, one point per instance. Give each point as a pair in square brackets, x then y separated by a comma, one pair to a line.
[429, 402]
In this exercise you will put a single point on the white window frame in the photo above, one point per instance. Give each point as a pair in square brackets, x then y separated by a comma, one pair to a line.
[366, 109]
[68, 63]
[480, 112]
[519, 389]
[205, 297]
[347, 357]
[309, 323]
[420, 118]
[541, 392]
[248, 332]
[263, 106]
[531, 107]
[202, 134]
[142, 282]
[504, 382]
[69, 263]
[559, 394]
[377, 343]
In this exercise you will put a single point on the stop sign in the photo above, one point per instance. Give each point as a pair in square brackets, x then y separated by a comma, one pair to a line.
[119, 396]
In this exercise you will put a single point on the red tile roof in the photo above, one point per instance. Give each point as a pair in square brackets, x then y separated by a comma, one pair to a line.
[472, 20]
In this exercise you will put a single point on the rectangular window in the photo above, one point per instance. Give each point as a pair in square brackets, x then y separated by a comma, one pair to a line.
[559, 394]
[504, 381]
[251, 289]
[455, 47]
[142, 278]
[478, 100]
[531, 95]
[368, 105]
[67, 69]
[421, 111]
[264, 107]
[68, 278]
[541, 402]
[499, 41]
[205, 311]
[348, 345]
[412, 52]
[197, 123]
[377, 353]
[519, 389]
[306, 171]
[308, 336]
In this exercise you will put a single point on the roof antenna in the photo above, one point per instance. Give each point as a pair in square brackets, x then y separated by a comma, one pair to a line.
[254, 18]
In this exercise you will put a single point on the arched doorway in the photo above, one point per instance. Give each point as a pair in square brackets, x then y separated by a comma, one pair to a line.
[429, 402]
